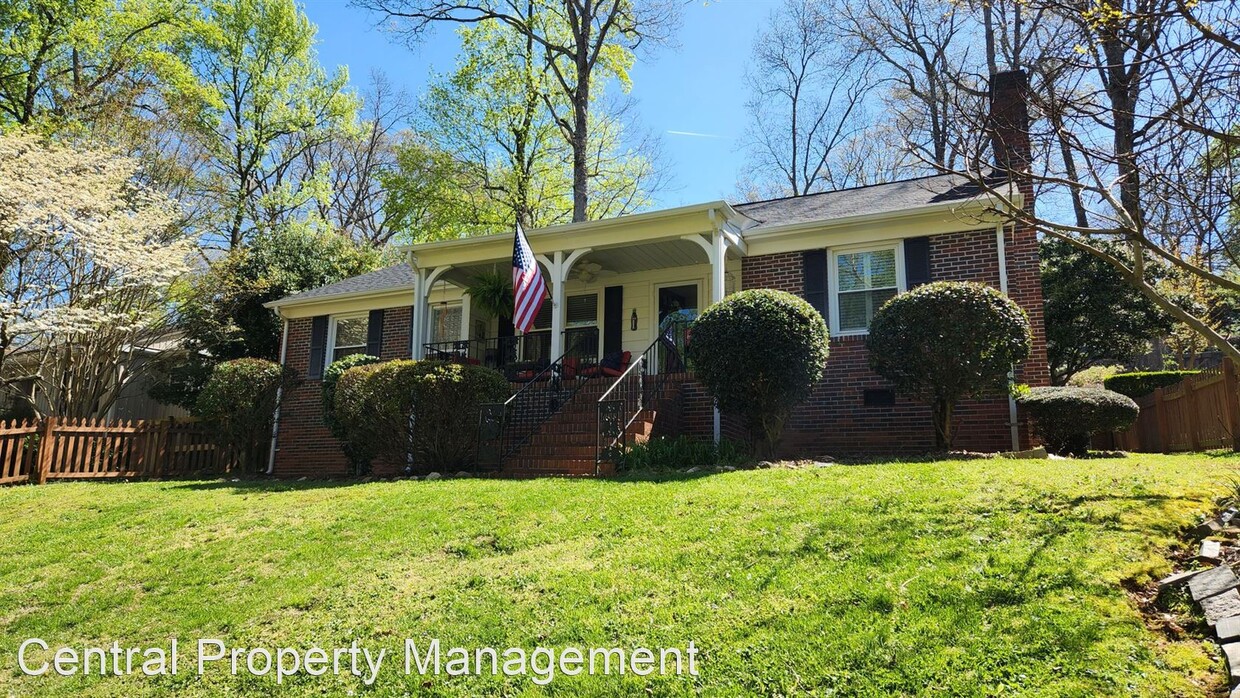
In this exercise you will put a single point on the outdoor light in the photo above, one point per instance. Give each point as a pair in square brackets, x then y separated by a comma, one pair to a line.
[633, 320]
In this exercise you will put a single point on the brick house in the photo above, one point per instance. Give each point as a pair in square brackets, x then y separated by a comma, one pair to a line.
[621, 287]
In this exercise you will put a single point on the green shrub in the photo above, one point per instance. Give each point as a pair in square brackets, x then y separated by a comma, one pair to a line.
[946, 341]
[1094, 376]
[361, 453]
[682, 452]
[429, 408]
[1140, 383]
[1066, 417]
[241, 398]
[759, 353]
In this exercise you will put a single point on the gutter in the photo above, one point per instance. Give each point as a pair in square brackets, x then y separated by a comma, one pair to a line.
[275, 422]
[1001, 244]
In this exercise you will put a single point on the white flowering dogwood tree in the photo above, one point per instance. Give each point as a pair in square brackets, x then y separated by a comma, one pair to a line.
[88, 255]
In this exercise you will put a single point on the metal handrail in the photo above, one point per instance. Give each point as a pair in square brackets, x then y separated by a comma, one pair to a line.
[609, 410]
[501, 421]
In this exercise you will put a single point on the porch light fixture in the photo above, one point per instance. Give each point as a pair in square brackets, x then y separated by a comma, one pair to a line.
[633, 320]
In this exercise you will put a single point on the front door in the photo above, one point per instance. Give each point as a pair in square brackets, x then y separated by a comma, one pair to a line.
[678, 306]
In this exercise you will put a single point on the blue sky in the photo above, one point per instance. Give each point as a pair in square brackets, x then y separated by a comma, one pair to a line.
[695, 88]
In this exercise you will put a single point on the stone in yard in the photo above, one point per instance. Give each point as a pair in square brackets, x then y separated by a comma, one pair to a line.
[694, 469]
[1224, 605]
[1231, 651]
[433, 476]
[1207, 528]
[1211, 550]
[1211, 582]
[729, 468]
[1228, 629]
[1038, 453]
[1227, 516]
[1178, 578]
[765, 464]
[462, 474]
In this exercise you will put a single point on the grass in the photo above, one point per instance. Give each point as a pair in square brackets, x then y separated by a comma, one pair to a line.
[979, 578]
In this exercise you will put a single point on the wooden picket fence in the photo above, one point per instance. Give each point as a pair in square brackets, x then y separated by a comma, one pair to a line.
[1199, 413]
[56, 449]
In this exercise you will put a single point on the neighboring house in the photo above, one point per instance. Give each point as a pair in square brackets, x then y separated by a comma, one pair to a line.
[614, 282]
[128, 401]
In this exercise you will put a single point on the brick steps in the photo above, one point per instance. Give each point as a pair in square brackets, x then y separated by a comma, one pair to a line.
[567, 443]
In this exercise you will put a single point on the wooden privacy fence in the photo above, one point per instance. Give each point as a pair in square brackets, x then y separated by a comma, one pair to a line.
[1200, 412]
[85, 448]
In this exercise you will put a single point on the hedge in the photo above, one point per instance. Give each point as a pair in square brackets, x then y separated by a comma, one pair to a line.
[430, 408]
[241, 398]
[1066, 417]
[359, 453]
[1140, 383]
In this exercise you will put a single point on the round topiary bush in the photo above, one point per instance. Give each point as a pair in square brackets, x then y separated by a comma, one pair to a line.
[241, 398]
[429, 408]
[759, 353]
[360, 453]
[1066, 417]
[946, 341]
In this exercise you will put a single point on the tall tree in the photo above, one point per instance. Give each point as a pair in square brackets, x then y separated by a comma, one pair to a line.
[271, 104]
[583, 42]
[1147, 94]
[806, 103]
[494, 115]
[87, 261]
[67, 63]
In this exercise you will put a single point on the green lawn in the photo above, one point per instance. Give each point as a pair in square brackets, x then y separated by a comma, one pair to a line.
[981, 578]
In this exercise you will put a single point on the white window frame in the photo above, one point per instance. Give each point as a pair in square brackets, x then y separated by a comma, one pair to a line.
[833, 283]
[331, 333]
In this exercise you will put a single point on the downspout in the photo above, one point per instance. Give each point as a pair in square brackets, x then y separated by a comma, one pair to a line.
[1001, 244]
[717, 421]
[275, 423]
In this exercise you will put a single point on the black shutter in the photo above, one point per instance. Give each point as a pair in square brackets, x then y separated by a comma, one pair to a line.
[917, 261]
[814, 263]
[374, 333]
[318, 346]
[613, 318]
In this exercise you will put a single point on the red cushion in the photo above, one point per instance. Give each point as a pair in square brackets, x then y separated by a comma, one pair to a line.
[625, 358]
[613, 372]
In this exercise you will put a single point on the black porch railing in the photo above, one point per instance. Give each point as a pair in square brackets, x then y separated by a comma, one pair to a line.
[634, 391]
[505, 428]
[518, 357]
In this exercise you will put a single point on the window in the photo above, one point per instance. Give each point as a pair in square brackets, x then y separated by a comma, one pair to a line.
[582, 311]
[348, 336]
[445, 323]
[862, 281]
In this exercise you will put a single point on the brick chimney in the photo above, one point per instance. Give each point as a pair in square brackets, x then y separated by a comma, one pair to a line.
[1009, 120]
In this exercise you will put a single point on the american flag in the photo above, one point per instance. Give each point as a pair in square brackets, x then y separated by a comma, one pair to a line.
[528, 286]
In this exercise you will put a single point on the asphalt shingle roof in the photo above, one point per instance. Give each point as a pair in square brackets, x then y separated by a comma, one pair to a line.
[394, 278]
[845, 203]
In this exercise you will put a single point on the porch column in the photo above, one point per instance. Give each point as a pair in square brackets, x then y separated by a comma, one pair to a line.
[422, 308]
[558, 277]
[718, 266]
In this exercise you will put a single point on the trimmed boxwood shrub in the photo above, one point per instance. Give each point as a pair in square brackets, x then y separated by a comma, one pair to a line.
[1066, 416]
[1140, 383]
[429, 408]
[946, 341]
[241, 398]
[758, 353]
[360, 453]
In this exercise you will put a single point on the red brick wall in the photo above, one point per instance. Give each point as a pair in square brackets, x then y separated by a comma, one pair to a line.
[835, 420]
[304, 446]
